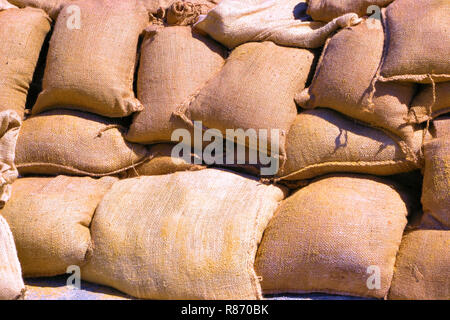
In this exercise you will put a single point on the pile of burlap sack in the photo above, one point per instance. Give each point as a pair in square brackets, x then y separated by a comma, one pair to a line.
[92, 90]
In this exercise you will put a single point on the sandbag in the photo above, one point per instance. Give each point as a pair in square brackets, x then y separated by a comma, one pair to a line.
[187, 235]
[175, 64]
[418, 45]
[323, 141]
[75, 143]
[90, 66]
[344, 79]
[428, 104]
[254, 90]
[331, 236]
[11, 282]
[50, 219]
[22, 34]
[51, 7]
[327, 10]
[422, 269]
[235, 22]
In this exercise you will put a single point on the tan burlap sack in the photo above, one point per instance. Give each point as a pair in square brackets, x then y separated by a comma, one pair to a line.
[430, 104]
[422, 268]
[22, 33]
[187, 235]
[162, 162]
[11, 282]
[436, 184]
[234, 22]
[344, 79]
[322, 141]
[90, 65]
[331, 236]
[9, 131]
[175, 63]
[50, 219]
[254, 90]
[76, 143]
[418, 45]
[52, 7]
[327, 10]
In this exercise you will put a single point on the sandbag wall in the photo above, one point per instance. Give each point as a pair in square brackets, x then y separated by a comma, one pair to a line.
[355, 113]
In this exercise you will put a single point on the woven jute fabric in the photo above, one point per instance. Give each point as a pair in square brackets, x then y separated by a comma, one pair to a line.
[175, 64]
[254, 90]
[51, 7]
[11, 282]
[418, 45]
[92, 68]
[10, 124]
[75, 143]
[327, 10]
[22, 33]
[50, 219]
[429, 104]
[323, 141]
[324, 237]
[344, 79]
[187, 235]
[234, 22]
[422, 268]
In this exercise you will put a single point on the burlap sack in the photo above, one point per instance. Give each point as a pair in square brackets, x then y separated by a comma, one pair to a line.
[50, 218]
[175, 63]
[92, 68]
[344, 79]
[187, 235]
[22, 33]
[234, 22]
[418, 45]
[162, 162]
[75, 143]
[254, 90]
[327, 10]
[9, 131]
[11, 283]
[422, 268]
[330, 237]
[51, 7]
[322, 141]
[428, 104]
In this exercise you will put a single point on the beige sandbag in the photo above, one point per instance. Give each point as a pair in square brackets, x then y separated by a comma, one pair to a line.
[187, 235]
[175, 64]
[322, 141]
[418, 45]
[254, 90]
[234, 22]
[22, 34]
[52, 7]
[9, 131]
[428, 104]
[11, 283]
[422, 268]
[331, 236]
[76, 143]
[343, 82]
[162, 162]
[50, 219]
[327, 10]
[90, 65]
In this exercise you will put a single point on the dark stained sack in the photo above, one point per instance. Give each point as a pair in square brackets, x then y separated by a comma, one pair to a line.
[50, 219]
[75, 143]
[92, 68]
[186, 235]
[22, 34]
[331, 236]
[344, 79]
[422, 268]
[175, 64]
[323, 141]
[429, 104]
